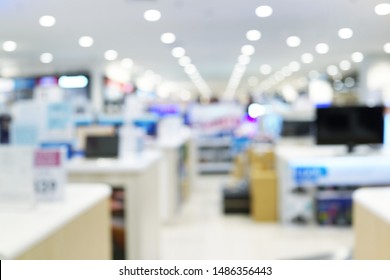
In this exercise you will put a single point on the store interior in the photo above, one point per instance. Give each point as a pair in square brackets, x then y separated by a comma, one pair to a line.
[195, 130]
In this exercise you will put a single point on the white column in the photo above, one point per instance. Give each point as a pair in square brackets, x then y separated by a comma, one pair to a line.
[375, 79]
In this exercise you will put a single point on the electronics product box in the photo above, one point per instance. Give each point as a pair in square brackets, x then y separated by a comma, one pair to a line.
[236, 198]
[333, 207]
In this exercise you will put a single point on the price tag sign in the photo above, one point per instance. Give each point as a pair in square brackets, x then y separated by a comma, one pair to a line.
[49, 174]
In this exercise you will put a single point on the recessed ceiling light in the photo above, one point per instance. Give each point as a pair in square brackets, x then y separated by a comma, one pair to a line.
[307, 58]
[322, 48]
[86, 41]
[357, 57]
[152, 15]
[294, 66]
[382, 9]
[253, 35]
[168, 38]
[293, 41]
[9, 46]
[332, 70]
[184, 61]
[47, 21]
[345, 33]
[46, 58]
[127, 63]
[178, 52]
[386, 47]
[244, 59]
[190, 69]
[345, 65]
[265, 69]
[248, 50]
[264, 11]
[111, 55]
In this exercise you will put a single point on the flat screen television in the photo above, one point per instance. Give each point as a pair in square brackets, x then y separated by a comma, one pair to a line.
[352, 125]
[102, 147]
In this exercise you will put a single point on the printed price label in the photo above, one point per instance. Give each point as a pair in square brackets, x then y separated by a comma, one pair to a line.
[50, 174]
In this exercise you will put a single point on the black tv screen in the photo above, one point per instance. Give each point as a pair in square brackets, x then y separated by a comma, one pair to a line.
[350, 125]
[101, 147]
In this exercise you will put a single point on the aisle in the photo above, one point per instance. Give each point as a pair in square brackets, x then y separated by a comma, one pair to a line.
[202, 231]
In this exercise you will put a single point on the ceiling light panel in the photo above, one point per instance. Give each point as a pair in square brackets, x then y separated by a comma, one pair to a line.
[47, 21]
[293, 41]
[265, 69]
[345, 65]
[264, 11]
[110, 55]
[253, 35]
[168, 38]
[357, 57]
[322, 48]
[382, 9]
[86, 41]
[46, 58]
[152, 15]
[178, 52]
[9, 46]
[345, 33]
[307, 58]
[248, 50]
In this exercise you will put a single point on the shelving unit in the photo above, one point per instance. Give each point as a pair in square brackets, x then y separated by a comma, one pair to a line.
[214, 155]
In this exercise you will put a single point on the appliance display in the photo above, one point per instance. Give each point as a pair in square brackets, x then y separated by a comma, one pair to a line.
[350, 125]
[102, 147]
[296, 128]
[148, 124]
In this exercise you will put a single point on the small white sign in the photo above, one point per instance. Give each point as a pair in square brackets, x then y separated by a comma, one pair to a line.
[16, 176]
[49, 174]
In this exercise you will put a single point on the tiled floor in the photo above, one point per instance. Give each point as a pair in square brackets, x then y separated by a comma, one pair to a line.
[202, 231]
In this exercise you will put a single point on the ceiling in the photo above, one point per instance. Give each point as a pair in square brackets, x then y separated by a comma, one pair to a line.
[211, 31]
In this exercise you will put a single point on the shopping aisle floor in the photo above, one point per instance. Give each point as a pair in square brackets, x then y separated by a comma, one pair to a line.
[202, 231]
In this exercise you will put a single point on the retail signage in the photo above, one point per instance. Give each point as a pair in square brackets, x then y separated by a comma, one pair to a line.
[341, 171]
[58, 116]
[24, 134]
[59, 124]
[310, 174]
[214, 119]
[49, 174]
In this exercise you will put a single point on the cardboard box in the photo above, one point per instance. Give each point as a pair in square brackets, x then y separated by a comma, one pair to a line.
[264, 196]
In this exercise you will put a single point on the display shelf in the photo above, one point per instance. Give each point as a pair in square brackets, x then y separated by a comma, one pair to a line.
[306, 170]
[214, 155]
[217, 167]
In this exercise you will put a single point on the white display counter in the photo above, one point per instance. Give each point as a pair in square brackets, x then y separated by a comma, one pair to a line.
[177, 173]
[303, 168]
[372, 224]
[60, 230]
[139, 176]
